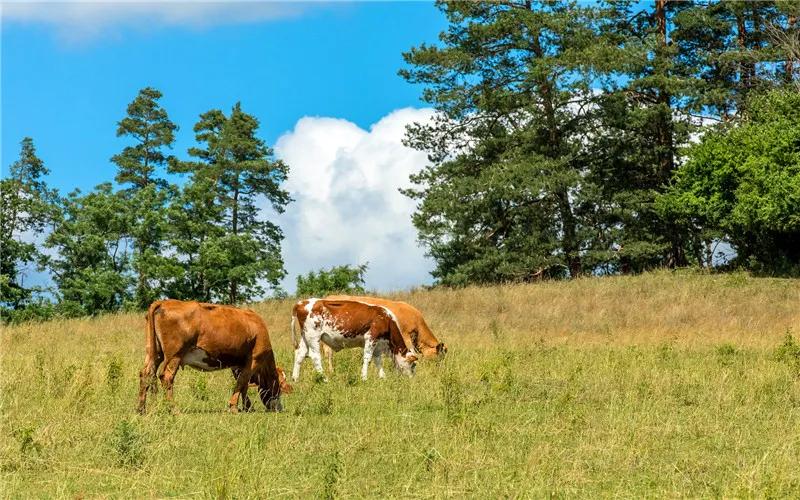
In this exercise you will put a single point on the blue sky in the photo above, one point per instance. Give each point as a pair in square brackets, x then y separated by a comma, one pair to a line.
[319, 76]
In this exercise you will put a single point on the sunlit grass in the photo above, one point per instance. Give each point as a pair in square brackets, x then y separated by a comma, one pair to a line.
[658, 385]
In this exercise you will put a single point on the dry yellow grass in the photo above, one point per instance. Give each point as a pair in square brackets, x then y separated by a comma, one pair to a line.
[666, 384]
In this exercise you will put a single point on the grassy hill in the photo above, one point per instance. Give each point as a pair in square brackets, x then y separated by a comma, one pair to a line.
[662, 384]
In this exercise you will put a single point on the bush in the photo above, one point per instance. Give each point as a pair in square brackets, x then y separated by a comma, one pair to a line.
[337, 279]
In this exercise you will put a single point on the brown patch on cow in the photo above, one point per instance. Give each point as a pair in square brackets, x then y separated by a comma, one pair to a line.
[413, 328]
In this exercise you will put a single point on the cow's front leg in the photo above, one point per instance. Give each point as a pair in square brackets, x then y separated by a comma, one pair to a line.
[377, 360]
[247, 405]
[242, 384]
[369, 350]
[299, 355]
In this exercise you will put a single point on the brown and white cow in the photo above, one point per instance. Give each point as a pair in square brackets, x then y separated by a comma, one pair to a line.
[412, 324]
[210, 337]
[342, 324]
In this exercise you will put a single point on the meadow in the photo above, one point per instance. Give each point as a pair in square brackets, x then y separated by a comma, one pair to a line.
[666, 384]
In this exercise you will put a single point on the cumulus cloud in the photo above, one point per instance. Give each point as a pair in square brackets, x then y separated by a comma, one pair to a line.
[347, 207]
[80, 22]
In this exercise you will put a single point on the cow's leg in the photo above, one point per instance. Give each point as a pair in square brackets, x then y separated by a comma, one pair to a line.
[242, 384]
[327, 352]
[369, 349]
[247, 405]
[168, 379]
[147, 378]
[377, 360]
[315, 355]
[299, 355]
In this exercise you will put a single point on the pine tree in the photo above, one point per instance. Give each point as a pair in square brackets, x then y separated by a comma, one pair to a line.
[26, 207]
[139, 165]
[505, 195]
[239, 168]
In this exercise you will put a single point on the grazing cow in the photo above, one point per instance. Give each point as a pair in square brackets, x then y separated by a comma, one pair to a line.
[210, 337]
[342, 324]
[412, 324]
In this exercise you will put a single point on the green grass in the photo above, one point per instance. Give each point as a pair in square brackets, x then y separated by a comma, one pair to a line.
[618, 399]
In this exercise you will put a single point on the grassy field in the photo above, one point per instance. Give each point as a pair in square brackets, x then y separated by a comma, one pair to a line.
[658, 385]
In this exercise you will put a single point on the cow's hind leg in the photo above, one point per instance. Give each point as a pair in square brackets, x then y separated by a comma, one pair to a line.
[299, 355]
[168, 379]
[147, 379]
[327, 353]
[377, 360]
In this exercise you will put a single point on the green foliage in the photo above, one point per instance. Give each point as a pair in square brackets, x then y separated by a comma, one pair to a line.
[560, 123]
[26, 207]
[235, 248]
[148, 124]
[744, 182]
[128, 442]
[91, 265]
[338, 279]
[788, 351]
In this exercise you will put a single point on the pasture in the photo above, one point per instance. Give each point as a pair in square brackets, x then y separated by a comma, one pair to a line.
[667, 384]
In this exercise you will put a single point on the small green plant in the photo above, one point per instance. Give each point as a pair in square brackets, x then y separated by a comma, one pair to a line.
[452, 397]
[494, 327]
[114, 374]
[789, 352]
[200, 389]
[726, 353]
[27, 441]
[333, 469]
[431, 456]
[324, 405]
[128, 442]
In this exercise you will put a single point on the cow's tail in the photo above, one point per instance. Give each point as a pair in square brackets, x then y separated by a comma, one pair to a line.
[295, 340]
[154, 352]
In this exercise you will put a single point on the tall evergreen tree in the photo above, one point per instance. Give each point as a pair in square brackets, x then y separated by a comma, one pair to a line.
[26, 207]
[239, 167]
[505, 196]
[139, 165]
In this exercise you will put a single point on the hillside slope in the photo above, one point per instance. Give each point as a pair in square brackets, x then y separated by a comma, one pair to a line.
[657, 385]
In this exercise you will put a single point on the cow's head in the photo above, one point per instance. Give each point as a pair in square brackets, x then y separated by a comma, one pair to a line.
[286, 388]
[270, 390]
[406, 363]
[437, 351]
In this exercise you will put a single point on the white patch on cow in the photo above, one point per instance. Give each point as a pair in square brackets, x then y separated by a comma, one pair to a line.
[196, 358]
[405, 366]
[310, 305]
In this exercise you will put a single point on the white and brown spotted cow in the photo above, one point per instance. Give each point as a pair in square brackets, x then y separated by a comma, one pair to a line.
[342, 324]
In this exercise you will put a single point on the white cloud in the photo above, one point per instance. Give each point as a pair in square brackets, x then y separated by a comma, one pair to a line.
[347, 207]
[80, 22]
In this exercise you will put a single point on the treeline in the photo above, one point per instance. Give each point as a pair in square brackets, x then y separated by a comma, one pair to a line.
[113, 249]
[560, 148]
[570, 139]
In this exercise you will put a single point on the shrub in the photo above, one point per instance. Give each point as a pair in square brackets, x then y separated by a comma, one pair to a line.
[337, 279]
